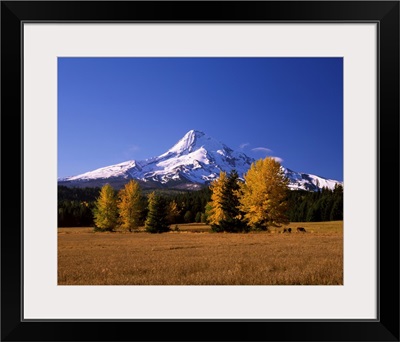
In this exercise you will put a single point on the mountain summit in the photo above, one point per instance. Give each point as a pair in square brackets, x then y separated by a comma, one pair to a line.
[193, 162]
[192, 140]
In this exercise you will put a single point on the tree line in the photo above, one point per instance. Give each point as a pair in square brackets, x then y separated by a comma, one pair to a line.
[322, 205]
[257, 202]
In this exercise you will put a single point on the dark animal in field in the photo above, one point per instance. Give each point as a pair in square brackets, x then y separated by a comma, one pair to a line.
[287, 230]
[301, 229]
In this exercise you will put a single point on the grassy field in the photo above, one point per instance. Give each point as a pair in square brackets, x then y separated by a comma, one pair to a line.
[195, 256]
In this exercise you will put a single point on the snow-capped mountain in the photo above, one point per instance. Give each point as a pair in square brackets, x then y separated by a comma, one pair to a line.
[193, 162]
[305, 181]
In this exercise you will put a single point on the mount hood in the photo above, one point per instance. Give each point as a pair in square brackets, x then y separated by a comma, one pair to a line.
[192, 163]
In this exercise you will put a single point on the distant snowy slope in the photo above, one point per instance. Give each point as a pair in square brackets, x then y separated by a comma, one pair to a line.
[105, 172]
[305, 181]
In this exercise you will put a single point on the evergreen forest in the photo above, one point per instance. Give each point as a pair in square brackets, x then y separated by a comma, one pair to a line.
[76, 205]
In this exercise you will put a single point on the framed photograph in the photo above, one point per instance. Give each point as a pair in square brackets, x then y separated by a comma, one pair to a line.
[259, 140]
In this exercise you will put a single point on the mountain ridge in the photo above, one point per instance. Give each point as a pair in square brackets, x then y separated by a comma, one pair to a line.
[192, 163]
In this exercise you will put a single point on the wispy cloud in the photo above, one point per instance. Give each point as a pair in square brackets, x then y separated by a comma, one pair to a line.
[279, 160]
[261, 149]
[267, 151]
[131, 150]
[242, 146]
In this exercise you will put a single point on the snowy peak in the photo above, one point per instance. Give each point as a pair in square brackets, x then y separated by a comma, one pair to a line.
[194, 140]
[187, 143]
[197, 158]
[194, 161]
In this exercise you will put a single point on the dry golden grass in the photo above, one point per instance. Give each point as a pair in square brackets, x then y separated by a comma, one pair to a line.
[194, 256]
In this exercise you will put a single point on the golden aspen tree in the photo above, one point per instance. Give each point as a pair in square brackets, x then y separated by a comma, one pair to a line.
[173, 212]
[216, 213]
[264, 192]
[130, 206]
[106, 210]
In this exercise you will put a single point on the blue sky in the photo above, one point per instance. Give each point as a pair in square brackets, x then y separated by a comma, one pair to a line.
[112, 110]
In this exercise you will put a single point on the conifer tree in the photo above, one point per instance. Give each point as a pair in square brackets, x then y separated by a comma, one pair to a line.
[264, 192]
[106, 210]
[314, 213]
[337, 210]
[197, 219]
[156, 221]
[188, 217]
[215, 213]
[172, 212]
[207, 213]
[130, 206]
[233, 217]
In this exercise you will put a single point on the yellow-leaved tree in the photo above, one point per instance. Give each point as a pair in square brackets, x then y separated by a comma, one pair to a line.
[264, 193]
[130, 206]
[173, 212]
[106, 210]
[215, 213]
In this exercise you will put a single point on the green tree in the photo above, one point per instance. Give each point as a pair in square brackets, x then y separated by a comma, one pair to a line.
[106, 210]
[188, 217]
[314, 213]
[130, 206]
[198, 217]
[207, 212]
[337, 207]
[337, 210]
[233, 217]
[264, 193]
[156, 221]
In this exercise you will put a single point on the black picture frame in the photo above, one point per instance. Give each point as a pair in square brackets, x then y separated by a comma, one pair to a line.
[385, 328]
